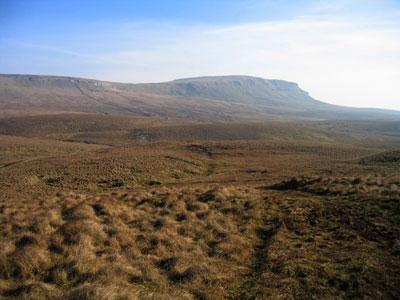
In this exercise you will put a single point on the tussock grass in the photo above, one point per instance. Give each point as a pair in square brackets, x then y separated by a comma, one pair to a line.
[204, 242]
[159, 220]
[162, 242]
[344, 186]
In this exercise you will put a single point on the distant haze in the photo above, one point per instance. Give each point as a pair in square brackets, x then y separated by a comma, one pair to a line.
[207, 98]
[341, 52]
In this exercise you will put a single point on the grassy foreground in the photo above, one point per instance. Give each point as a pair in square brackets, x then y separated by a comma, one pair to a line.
[132, 215]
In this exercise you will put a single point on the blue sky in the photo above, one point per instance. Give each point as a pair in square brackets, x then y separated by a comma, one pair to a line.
[342, 52]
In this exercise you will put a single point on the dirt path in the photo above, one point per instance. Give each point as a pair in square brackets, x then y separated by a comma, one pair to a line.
[253, 286]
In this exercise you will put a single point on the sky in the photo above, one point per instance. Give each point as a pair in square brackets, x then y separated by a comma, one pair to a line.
[344, 52]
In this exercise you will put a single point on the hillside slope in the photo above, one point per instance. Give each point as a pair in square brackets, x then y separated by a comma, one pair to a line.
[215, 98]
[237, 89]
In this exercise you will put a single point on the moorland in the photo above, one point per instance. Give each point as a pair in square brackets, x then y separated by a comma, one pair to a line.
[206, 188]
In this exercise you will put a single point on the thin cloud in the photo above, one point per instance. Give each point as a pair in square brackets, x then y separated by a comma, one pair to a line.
[353, 60]
[341, 61]
[47, 48]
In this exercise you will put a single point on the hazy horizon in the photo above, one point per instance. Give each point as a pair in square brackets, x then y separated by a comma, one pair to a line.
[341, 52]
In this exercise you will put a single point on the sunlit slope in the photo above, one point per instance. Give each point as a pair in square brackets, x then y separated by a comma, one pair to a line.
[212, 98]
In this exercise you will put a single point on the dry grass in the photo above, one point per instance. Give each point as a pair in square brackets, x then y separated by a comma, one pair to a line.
[201, 242]
[265, 219]
[168, 242]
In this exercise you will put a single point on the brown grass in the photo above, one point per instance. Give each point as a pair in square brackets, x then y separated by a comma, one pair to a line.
[205, 242]
[137, 239]
[253, 219]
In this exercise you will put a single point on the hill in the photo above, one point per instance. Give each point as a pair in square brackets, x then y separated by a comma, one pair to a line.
[236, 89]
[183, 190]
[210, 98]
